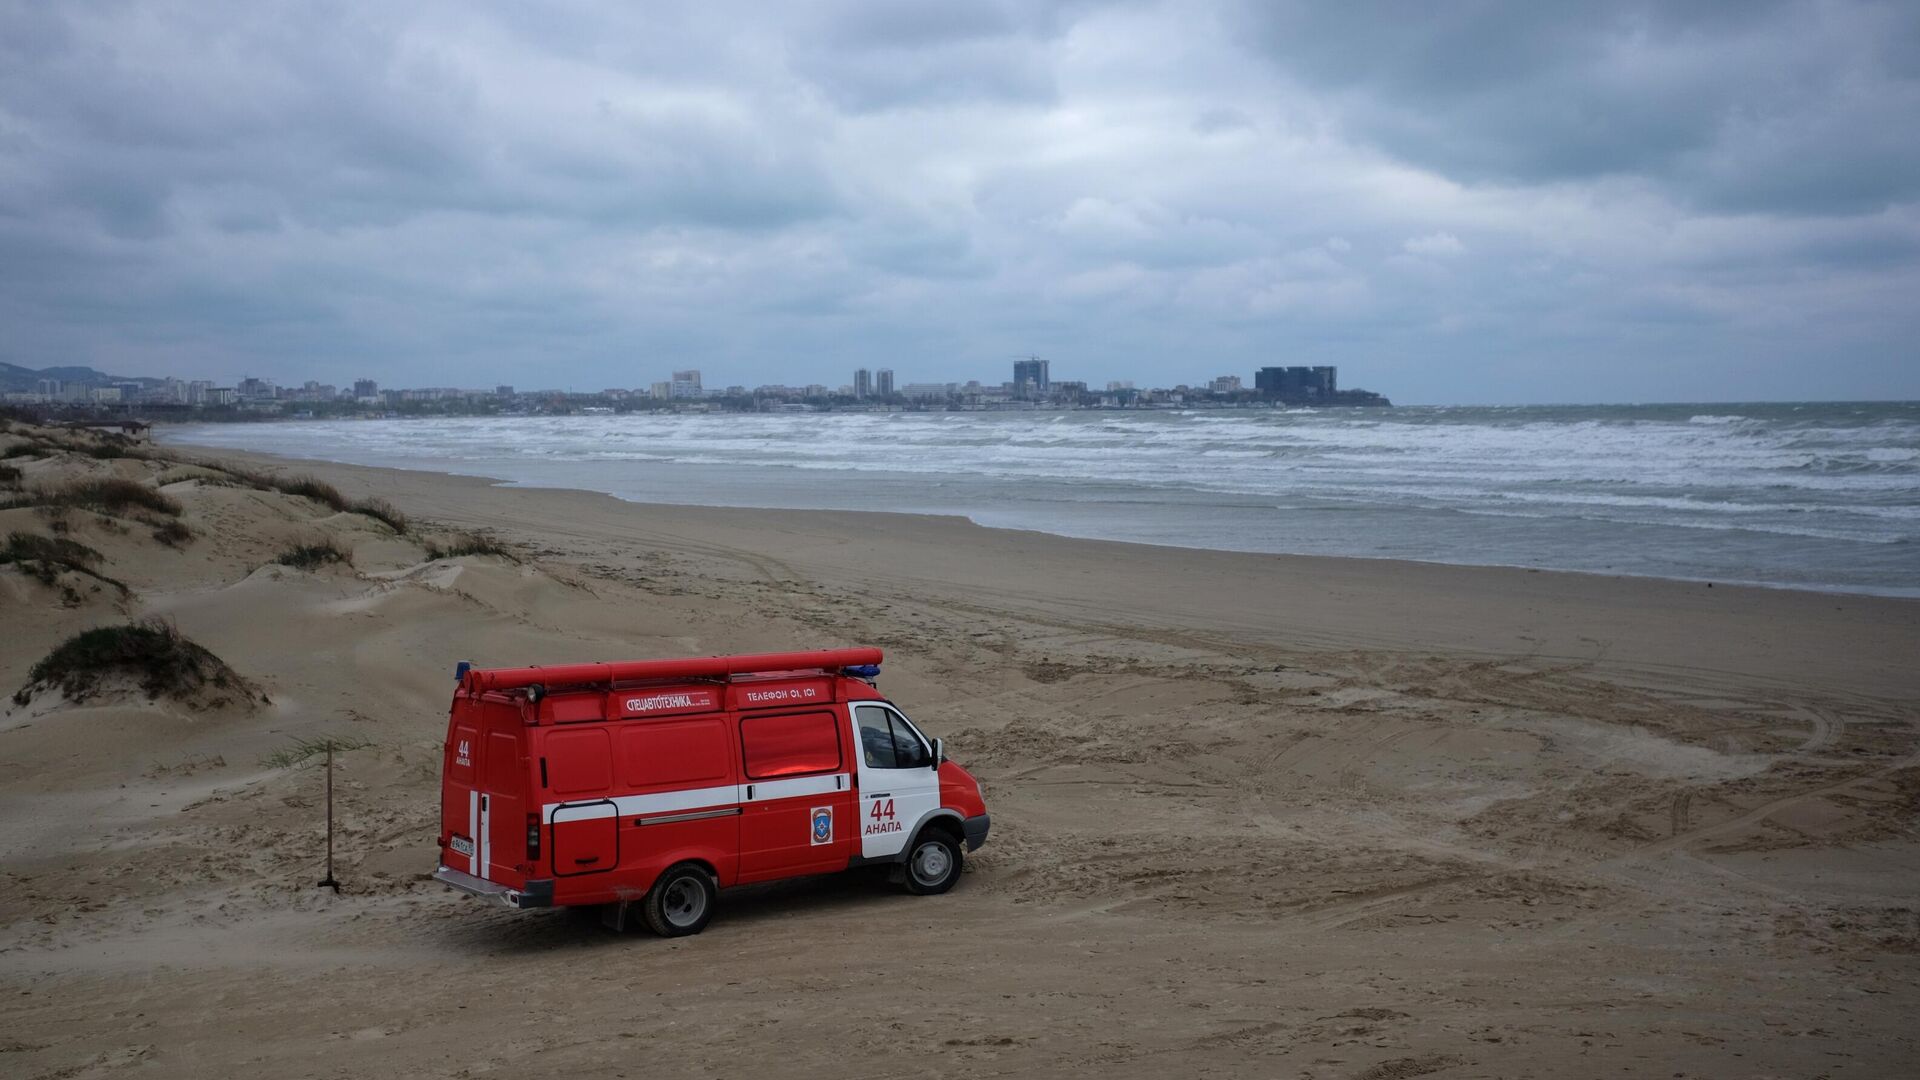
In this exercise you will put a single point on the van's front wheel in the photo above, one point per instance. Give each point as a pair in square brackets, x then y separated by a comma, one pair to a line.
[681, 902]
[933, 865]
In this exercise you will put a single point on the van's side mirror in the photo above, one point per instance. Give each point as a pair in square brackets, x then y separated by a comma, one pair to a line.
[939, 753]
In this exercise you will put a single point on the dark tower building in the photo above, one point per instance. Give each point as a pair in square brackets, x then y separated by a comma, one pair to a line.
[1297, 383]
[1033, 370]
[862, 383]
[883, 382]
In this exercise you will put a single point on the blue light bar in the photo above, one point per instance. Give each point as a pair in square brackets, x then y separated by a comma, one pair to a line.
[460, 669]
[862, 671]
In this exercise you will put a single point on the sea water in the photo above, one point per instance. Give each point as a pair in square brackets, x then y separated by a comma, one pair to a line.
[1823, 496]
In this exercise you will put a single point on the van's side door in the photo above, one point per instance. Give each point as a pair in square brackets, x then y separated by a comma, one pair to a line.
[898, 784]
[585, 823]
[796, 805]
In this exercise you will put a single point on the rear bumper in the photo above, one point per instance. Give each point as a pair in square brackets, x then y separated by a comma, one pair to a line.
[976, 830]
[536, 893]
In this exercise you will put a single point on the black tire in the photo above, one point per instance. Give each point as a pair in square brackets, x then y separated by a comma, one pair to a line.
[933, 863]
[680, 902]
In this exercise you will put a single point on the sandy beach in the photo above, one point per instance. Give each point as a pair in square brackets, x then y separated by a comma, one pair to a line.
[1253, 815]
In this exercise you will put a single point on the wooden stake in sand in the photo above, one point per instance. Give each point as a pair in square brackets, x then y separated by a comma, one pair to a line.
[328, 882]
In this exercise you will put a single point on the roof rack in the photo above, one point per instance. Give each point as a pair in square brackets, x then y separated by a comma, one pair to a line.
[697, 667]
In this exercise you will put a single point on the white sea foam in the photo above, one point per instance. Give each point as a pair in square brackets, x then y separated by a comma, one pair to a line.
[1832, 474]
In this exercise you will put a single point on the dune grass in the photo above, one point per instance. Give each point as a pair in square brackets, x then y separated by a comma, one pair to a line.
[316, 554]
[469, 544]
[384, 512]
[318, 490]
[153, 652]
[172, 533]
[45, 558]
[311, 488]
[107, 495]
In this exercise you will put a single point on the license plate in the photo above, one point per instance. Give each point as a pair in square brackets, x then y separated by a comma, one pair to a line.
[462, 845]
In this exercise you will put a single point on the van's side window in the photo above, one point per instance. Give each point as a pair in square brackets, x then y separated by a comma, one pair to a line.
[887, 742]
[790, 745]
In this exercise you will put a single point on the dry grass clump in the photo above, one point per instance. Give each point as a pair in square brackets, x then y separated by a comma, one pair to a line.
[384, 512]
[309, 487]
[314, 555]
[45, 558]
[105, 446]
[10, 475]
[189, 471]
[470, 544]
[107, 495]
[110, 447]
[172, 533]
[318, 490]
[154, 653]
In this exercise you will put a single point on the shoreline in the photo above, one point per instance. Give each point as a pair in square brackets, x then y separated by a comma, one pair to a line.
[508, 484]
[1347, 593]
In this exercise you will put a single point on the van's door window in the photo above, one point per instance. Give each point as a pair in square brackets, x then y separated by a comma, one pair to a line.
[876, 737]
[887, 741]
[791, 745]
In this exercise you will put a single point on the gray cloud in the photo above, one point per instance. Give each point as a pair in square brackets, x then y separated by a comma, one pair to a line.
[1490, 201]
[1799, 107]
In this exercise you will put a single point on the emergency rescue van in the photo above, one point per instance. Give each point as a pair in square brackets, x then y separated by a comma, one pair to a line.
[651, 785]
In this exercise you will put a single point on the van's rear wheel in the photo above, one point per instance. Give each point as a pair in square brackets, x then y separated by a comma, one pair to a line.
[681, 902]
[934, 864]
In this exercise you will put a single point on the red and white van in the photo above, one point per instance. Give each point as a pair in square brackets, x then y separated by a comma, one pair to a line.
[658, 782]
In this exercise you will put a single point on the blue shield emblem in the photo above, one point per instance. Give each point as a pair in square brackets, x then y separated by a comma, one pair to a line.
[823, 825]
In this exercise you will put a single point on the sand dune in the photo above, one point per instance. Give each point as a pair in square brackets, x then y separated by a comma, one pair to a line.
[1253, 815]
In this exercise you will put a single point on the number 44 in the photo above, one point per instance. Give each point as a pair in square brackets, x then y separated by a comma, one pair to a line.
[882, 810]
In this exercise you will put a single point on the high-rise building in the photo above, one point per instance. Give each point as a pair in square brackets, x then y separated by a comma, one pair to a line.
[1225, 384]
[366, 388]
[883, 382]
[1030, 376]
[686, 384]
[1297, 383]
[862, 383]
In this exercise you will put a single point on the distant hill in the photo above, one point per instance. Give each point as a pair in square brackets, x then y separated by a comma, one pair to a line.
[15, 377]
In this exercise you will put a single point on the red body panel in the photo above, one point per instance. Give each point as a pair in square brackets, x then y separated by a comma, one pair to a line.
[747, 764]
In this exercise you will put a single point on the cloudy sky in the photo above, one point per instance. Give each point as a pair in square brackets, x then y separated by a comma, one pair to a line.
[1459, 202]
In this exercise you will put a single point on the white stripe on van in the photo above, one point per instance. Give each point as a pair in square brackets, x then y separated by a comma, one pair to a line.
[486, 834]
[798, 786]
[473, 832]
[667, 802]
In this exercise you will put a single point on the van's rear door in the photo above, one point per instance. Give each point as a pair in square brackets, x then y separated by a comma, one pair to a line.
[460, 790]
[504, 777]
[483, 796]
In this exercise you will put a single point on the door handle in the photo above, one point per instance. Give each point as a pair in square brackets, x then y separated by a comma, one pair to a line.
[586, 862]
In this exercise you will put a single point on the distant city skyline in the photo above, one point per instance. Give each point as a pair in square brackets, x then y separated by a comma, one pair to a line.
[1030, 386]
[1493, 203]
